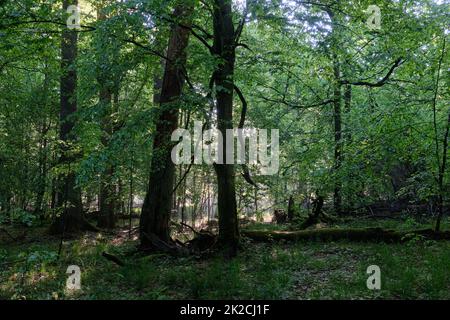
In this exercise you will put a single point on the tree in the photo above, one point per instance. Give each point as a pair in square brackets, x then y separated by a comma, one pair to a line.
[224, 47]
[337, 117]
[69, 195]
[107, 83]
[441, 164]
[157, 205]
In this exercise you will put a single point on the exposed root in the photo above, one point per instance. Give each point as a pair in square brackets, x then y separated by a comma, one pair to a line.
[171, 247]
[113, 258]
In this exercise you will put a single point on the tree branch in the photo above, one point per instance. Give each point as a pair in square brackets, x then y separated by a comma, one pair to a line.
[245, 170]
[380, 83]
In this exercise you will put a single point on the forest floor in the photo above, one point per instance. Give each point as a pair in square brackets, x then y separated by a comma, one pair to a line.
[417, 269]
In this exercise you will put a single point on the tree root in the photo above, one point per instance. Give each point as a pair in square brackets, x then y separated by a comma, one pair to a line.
[8, 234]
[171, 247]
[113, 258]
[202, 242]
[333, 234]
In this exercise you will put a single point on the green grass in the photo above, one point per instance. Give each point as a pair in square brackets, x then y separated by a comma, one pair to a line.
[304, 270]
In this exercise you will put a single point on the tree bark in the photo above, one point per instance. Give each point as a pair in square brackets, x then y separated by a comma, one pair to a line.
[224, 47]
[107, 205]
[337, 195]
[69, 195]
[337, 120]
[156, 209]
[290, 211]
[441, 165]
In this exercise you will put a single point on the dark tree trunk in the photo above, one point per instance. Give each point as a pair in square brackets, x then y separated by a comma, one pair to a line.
[347, 138]
[255, 192]
[441, 176]
[347, 109]
[290, 211]
[131, 193]
[337, 97]
[337, 138]
[43, 152]
[224, 47]
[69, 195]
[158, 201]
[43, 171]
[441, 165]
[107, 217]
[107, 205]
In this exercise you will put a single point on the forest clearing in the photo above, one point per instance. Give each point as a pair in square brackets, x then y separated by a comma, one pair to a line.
[224, 150]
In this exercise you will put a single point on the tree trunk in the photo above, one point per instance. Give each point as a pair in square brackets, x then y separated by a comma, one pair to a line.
[337, 97]
[107, 204]
[158, 201]
[441, 165]
[290, 211]
[347, 109]
[441, 175]
[347, 138]
[224, 47]
[43, 171]
[69, 195]
[130, 198]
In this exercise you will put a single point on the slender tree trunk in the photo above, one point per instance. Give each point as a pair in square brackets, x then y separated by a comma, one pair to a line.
[54, 195]
[346, 140]
[107, 196]
[183, 207]
[337, 97]
[347, 109]
[43, 152]
[43, 170]
[209, 199]
[130, 198]
[290, 210]
[158, 201]
[69, 195]
[256, 203]
[441, 175]
[224, 47]
[337, 138]
[441, 165]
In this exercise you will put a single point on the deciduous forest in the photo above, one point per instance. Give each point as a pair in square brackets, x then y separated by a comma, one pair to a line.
[119, 124]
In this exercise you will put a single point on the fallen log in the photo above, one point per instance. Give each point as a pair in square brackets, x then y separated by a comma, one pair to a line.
[351, 234]
[8, 234]
[113, 258]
